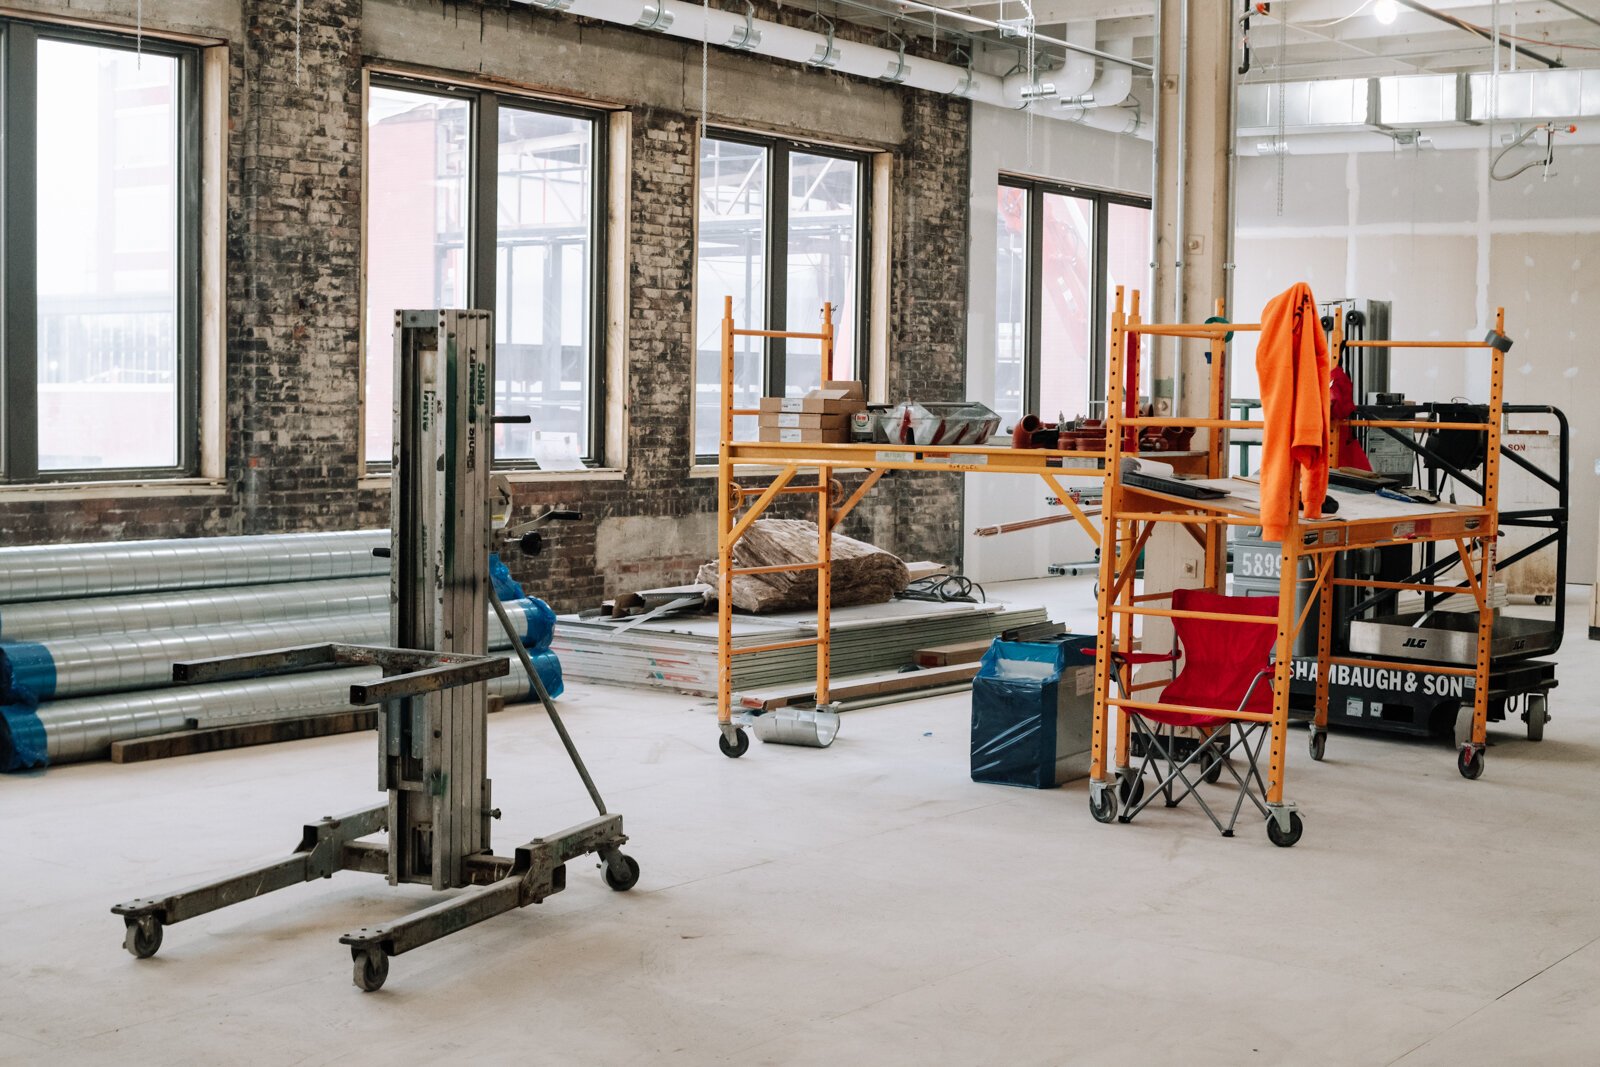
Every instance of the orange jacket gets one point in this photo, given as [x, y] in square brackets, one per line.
[1292, 364]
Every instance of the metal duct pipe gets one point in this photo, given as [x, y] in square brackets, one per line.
[84, 728]
[62, 572]
[1111, 89]
[725, 29]
[116, 663]
[44, 620]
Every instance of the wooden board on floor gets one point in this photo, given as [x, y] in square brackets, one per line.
[946, 655]
[215, 739]
[870, 685]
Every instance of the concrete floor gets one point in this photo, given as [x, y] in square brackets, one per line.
[863, 904]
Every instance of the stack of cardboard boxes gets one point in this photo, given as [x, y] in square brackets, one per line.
[822, 416]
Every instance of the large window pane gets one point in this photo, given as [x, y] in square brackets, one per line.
[824, 202]
[1127, 256]
[418, 153]
[1066, 279]
[730, 262]
[107, 266]
[544, 245]
[1011, 304]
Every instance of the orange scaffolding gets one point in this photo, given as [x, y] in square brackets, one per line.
[785, 461]
[1129, 514]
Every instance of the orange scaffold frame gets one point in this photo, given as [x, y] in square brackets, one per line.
[785, 461]
[1129, 515]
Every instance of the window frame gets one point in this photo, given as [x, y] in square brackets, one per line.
[482, 233]
[775, 250]
[19, 294]
[1035, 190]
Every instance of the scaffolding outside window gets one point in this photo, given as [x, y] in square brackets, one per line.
[101, 234]
[814, 229]
[481, 199]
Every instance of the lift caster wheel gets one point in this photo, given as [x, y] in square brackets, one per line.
[372, 968]
[1469, 761]
[735, 748]
[629, 877]
[1130, 791]
[1536, 716]
[1281, 839]
[1318, 745]
[1213, 772]
[1105, 808]
[143, 936]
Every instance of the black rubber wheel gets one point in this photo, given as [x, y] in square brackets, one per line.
[1130, 791]
[1106, 809]
[738, 747]
[1469, 761]
[628, 881]
[372, 969]
[1318, 745]
[1537, 715]
[1281, 839]
[1213, 771]
[143, 937]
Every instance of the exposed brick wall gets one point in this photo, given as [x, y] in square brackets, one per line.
[293, 320]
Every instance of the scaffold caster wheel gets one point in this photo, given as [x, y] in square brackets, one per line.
[143, 936]
[629, 876]
[1470, 761]
[1130, 791]
[372, 968]
[735, 748]
[1103, 808]
[1276, 835]
[1319, 745]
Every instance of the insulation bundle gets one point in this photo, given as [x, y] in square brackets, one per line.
[862, 573]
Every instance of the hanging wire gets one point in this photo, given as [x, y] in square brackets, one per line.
[138, 35]
[705, 63]
[1281, 147]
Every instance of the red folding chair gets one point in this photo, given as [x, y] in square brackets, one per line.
[1227, 665]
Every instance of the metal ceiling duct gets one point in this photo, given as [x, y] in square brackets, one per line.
[745, 33]
[43, 620]
[63, 572]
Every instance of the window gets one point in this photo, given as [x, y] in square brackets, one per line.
[1061, 252]
[766, 202]
[479, 199]
[101, 232]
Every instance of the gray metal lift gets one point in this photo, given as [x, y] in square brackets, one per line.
[432, 732]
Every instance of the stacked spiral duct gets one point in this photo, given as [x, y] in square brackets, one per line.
[89, 633]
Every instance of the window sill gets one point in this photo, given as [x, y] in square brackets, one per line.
[523, 477]
[180, 487]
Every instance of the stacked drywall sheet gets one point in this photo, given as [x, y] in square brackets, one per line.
[680, 654]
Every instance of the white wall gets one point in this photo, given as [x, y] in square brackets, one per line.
[1002, 142]
[1430, 232]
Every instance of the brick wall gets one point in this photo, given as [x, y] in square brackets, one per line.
[293, 246]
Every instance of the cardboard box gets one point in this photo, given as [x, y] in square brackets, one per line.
[834, 398]
[795, 435]
[803, 420]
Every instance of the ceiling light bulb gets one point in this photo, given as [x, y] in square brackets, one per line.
[1385, 11]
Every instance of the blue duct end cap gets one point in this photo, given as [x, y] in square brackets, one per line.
[31, 668]
[549, 670]
[22, 741]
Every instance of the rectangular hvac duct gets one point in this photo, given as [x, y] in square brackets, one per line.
[1307, 105]
[1537, 94]
[1420, 99]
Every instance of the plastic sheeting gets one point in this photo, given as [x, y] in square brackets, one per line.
[1025, 728]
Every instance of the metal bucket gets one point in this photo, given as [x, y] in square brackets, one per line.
[812, 727]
